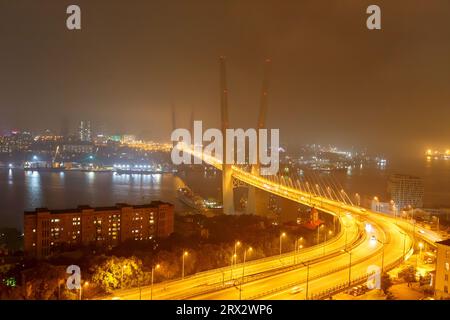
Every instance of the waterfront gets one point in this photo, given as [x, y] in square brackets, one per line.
[21, 190]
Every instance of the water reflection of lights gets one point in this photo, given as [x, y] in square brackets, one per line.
[157, 178]
[10, 177]
[33, 183]
[142, 178]
[90, 176]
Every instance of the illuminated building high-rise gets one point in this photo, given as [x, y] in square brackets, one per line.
[406, 191]
[85, 130]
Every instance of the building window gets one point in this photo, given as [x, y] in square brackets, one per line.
[445, 289]
[447, 266]
[446, 277]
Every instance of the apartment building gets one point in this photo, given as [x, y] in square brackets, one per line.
[47, 230]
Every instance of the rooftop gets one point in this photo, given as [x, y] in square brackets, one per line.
[81, 208]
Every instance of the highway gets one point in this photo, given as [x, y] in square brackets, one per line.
[211, 280]
[275, 278]
[324, 275]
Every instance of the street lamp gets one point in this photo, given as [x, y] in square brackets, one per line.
[377, 203]
[382, 256]
[349, 267]
[121, 279]
[86, 284]
[236, 244]
[185, 254]
[414, 222]
[298, 246]
[282, 235]
[318, 230]
[307, 279]
[324, 243]
[346, 234]
[420, 253]
[233, 258]
[156, 267]
[250, 249]
[392, 203]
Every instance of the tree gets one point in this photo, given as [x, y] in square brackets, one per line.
[42, 281]
[386, 283]
[117, 273]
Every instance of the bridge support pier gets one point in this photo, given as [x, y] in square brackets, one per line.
[227, 190]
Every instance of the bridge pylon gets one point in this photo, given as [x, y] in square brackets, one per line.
[227, 178]
[251, 196]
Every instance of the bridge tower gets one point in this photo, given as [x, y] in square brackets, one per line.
[174, 122]
[227, 179]
[251, 198]
[192, 123]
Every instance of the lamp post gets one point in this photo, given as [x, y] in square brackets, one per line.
[185, 254]
[295, 250]
[346, 234]
[382, 255]
[324, 243]
[377, 203]
[250, 249]
[233, 258]
[420, 253]
[155, 267]
[349, 267]
[414, 222]
[282, 235]
[121, 279]
[318, 230]
[307, 279]
[358, 199]
[298, 246]
[404, 244]
[236, 244]
[393, 208]
[86, 284]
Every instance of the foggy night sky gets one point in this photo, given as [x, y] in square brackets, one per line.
[332, 81]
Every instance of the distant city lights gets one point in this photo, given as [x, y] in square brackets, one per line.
[437, 154]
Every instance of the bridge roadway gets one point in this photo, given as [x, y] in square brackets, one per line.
[324, 274]
[332, 272]
[350, 235]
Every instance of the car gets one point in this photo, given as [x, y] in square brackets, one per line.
[296, 290]
[421, 231]
[115, 298]
[373, 238]
[354, 291]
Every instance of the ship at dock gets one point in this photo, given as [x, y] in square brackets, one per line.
[189, 198]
